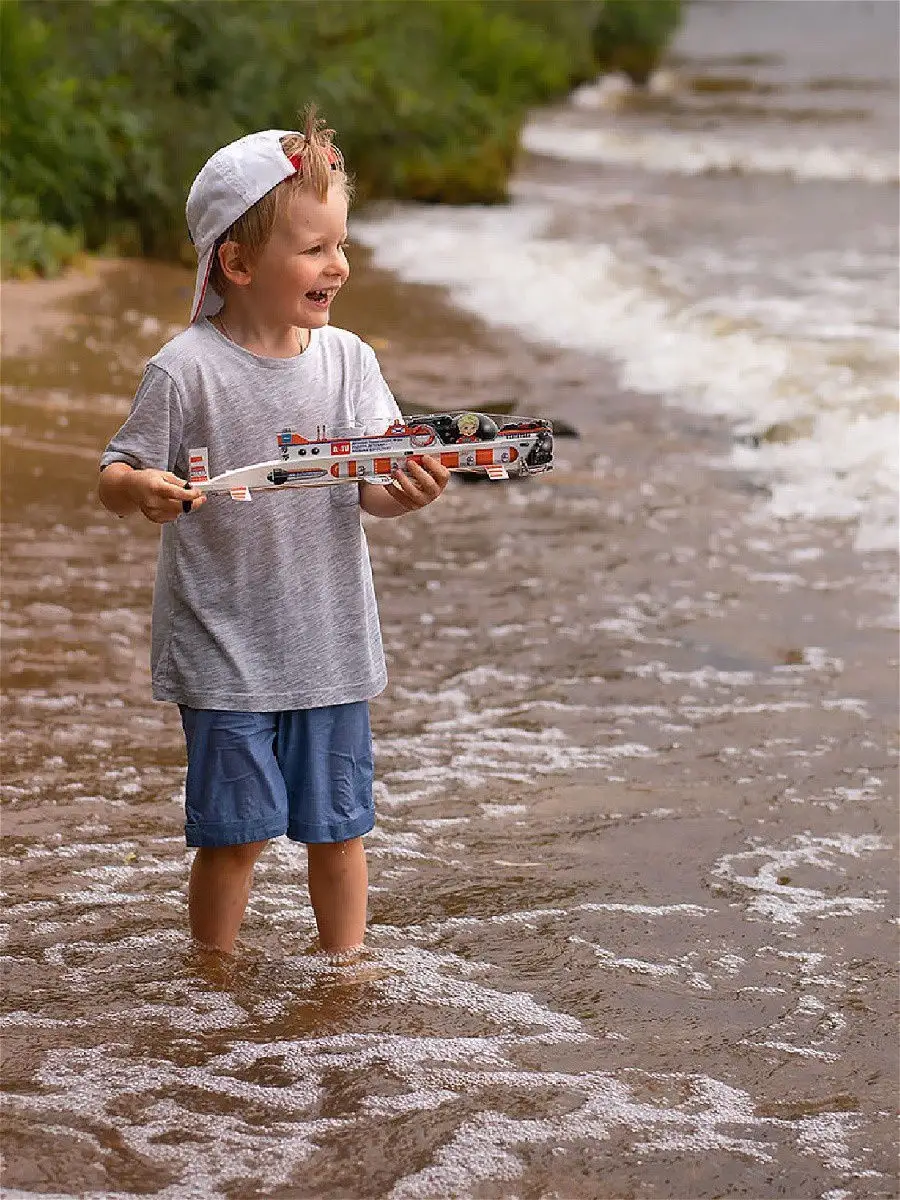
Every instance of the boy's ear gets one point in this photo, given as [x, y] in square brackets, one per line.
[234, 263]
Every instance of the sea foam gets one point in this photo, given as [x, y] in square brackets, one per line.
[834, 401]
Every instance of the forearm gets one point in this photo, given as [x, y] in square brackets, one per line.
[116, 489]
[159, 495]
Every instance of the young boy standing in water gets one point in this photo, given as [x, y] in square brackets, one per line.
[265, 627]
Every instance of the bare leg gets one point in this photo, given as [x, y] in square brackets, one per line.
[338, 887]
[219, 890]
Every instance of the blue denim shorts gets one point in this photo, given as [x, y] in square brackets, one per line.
[253, 776]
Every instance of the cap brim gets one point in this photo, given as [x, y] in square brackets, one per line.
[206, 301]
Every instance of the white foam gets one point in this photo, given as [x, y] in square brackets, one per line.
[789, 1048]
[466, 1077]
[672, 968]
[221, 1151]
[487, 1147]
[726, 357]
[476, 745]
[530, 918]
[785, 902]
[701, 153]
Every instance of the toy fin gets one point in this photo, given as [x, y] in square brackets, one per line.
[198, 471]
[198, 465]
[240, 493]
[496, 472]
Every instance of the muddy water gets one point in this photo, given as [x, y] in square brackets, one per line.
[633, 912]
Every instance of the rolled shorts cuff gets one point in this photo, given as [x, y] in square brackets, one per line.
[332, 831]
[231, 833]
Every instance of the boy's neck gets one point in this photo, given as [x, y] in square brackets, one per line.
[283, 342]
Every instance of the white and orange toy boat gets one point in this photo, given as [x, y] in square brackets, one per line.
[467, 441]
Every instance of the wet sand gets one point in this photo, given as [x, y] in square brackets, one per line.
[633, 915]
[35, 309]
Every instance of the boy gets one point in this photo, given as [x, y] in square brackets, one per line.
[265, 628]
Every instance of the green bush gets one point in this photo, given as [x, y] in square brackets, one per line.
[629, 35]
[109, 107]
[30, 246]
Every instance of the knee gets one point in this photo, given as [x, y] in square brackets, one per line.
[234, 859]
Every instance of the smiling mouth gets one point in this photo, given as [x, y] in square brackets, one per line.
[321, 297]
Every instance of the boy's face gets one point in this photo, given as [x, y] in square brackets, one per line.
[299, 272]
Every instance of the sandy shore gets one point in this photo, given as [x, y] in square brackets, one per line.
[31, 310]
[637, 807]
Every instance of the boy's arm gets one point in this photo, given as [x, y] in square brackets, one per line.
[156, 494]
[134, 467]
[411, 489]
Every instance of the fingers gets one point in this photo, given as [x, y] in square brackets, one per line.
[436, 470]
[400, 492]
[163, 496]
[171, 487]
[419, 485]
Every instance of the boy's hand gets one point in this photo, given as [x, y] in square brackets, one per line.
[409, 489]
[417, 485]
[160, 494]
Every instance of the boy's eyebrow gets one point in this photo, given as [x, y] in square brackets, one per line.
[312, 238]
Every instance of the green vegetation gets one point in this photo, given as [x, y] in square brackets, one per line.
[109, 107]
[628, 37]
[30, 246]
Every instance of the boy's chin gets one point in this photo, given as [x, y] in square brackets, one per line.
[315, 319]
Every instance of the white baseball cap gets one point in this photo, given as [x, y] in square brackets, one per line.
[228, 184]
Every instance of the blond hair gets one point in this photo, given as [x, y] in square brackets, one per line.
[321, 167]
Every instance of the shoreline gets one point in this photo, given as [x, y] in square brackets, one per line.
[33, 309]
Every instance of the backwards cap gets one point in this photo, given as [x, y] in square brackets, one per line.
[233, 180]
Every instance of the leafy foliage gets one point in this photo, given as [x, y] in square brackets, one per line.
[29, 246]
[109, 107]
[628, 34]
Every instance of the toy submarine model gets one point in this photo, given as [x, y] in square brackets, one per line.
[465, 441]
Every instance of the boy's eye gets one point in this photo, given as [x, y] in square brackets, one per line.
[319, 249]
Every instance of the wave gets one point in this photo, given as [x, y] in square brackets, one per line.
[833, 452]
[706, 154]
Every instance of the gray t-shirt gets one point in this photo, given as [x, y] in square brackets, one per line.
[265, 605]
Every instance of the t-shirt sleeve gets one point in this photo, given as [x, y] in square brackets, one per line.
[152, 433]
[376, 407]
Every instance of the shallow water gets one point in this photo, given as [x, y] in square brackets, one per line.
[728, 240]
[634, 900]
[633, 893]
